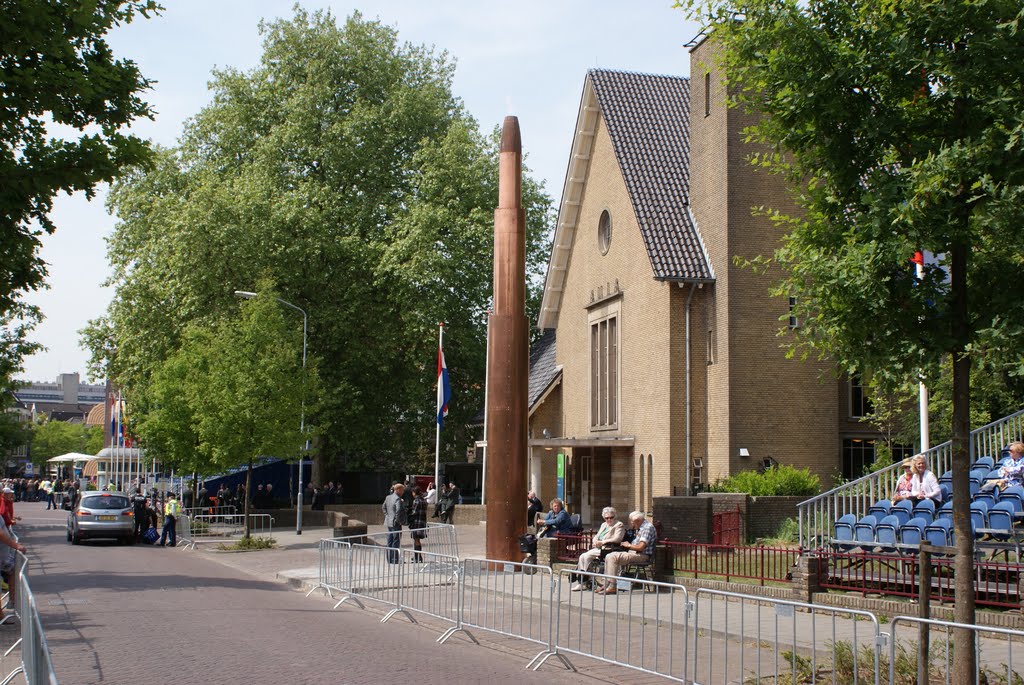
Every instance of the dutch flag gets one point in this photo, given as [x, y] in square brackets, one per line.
[444, 389]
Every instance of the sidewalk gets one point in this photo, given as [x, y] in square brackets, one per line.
[296, 561]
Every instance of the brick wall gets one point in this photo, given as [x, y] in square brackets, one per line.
[766, 514]
[688, 519]
[684, 519]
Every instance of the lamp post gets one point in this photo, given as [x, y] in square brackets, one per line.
[302, 421]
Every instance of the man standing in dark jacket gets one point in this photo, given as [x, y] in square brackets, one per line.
[394, 517]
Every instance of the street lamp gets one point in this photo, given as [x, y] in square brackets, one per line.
[302, 421]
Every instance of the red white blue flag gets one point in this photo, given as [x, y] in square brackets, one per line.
[444, 389]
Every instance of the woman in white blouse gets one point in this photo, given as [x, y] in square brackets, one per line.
[609, 535]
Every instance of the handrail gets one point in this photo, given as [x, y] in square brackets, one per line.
[815, 516]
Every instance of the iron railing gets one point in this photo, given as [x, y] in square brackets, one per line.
[731, 562]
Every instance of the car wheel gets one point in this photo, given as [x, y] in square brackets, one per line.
[69, 536]
[76, 539]
[130, 540]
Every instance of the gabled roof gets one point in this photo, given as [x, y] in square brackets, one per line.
[544, 372]
[648, 121]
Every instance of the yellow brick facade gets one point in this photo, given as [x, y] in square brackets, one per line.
[744, 394]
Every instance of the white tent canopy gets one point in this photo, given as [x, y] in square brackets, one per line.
[71, 456]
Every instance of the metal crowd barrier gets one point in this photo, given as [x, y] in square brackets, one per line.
[226, 510]
[996, 661]
[508, 598]
[407, 580]
[743, 638]
[657, 628]
[192, 530]
[35, 655]
[335, 553]
[642, 626]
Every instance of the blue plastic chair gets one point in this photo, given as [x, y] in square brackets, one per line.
[864, 531]
[912, 532]
[925, 505]
[844, 537]
[939, 533]
[987, 496]
[979, 514]
[984, 463]
[945, 511]
[1015, 495]
[947, 491]
[978, 475]
[994, 474]
[886, 533]
[880, 509]
[1000, 520]
[947, 477]
[904, 510]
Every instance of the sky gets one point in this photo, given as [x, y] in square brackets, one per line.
[528, 58]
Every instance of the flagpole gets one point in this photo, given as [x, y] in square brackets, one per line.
[438, 407]
[922, 389]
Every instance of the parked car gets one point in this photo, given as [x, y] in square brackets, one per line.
[102, 515]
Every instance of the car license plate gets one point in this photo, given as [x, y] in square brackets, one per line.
[107, 518]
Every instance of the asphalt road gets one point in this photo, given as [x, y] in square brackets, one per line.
[128, 614]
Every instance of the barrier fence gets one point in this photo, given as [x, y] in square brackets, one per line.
[35, 654]
[998, 660]
[200, 528]
[741, 638]
[657, 628]
[508, 598]
[643, 626]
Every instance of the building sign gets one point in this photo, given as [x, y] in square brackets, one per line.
[560, 489]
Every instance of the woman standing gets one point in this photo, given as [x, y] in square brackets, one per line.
[418, 522]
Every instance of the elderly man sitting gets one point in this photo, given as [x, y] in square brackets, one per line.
[610, 534]
[639, 551]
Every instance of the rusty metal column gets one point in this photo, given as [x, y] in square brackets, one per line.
[508, 365]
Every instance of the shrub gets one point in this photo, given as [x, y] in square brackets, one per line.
[777, 481]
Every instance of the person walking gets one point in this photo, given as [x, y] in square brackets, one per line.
[172, 509]
[446, 504]
[394, 517]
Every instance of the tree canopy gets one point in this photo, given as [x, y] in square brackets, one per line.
[899, 125]
[343, 167]
[53, 438]
[67, 100]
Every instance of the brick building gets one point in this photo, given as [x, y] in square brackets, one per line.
[661, 362]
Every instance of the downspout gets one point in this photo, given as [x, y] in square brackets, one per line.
[689, 299]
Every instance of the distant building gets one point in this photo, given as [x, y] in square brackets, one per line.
[67, 390]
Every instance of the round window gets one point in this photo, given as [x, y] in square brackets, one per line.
[604, 232]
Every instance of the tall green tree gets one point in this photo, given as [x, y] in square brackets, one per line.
[900, 127]
[251, 400]
[66, 102]
[343, 167]
[53, 438]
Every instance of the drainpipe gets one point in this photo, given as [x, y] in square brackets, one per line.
[689, 299]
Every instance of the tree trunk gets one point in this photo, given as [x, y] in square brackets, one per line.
[965, 663]
[248, 498]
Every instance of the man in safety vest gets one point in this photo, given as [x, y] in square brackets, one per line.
[171, 512]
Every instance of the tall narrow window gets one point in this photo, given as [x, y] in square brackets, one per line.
[707, 93]
[794, 322]
[604, 373]
[860, 401]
